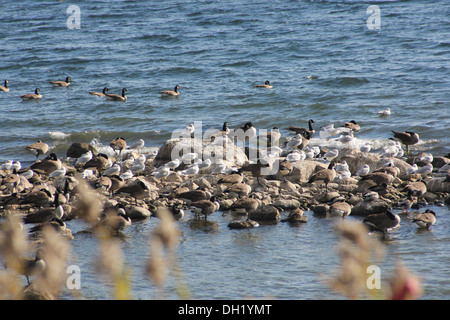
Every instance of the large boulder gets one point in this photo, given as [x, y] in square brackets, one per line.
[177, 147]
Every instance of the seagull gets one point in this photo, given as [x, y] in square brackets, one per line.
[341, 167]
[189, 157]
[296, 155]
[126, 175]
[7, 165]
[426, 157]
[366, 148]
[331, 154]
[85, 157]
[295, 141]
[114, 170]
[426, 169]
[189, 130]
[173, 164]
[16, 165]
[190, 171]
[27, 174]
[365, 169]
[346, 137]
[205, 164]
[58, 173]
[161, 172]
[137, 145]
[412, 169]
[137, 166]
[386, 112]
[220, 168]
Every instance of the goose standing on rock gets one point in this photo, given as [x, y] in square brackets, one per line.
[5, 88]
[171, 93]
[116, 97]
[407, 138]
[32, 96]
[325, 175]
[65, 83]
[118, 143]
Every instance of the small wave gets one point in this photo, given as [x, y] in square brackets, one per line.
[57, 135]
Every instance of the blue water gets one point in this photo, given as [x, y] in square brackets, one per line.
[216, 51]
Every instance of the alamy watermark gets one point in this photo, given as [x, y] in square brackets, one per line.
[374, 20]
[74, 20]
[374, 279]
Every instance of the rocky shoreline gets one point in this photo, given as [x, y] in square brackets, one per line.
[258, 198]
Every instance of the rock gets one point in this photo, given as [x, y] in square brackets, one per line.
[364, 208]
[177, 147]
[137, 213]
[438, 162]
[286, 204]
[265, 212]
[247, 224]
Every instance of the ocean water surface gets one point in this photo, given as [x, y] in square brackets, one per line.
[324, 63]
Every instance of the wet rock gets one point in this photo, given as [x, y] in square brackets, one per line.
[286, 204]
[247, 224]
[265, 212]
[137, 213]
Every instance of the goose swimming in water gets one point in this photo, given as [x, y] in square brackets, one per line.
[171, 93]
[99, 94]
[116, 97]
[32, 96]
[383, 222]
[266, 85]
[65, 83]
[5, 88]
[425, 219]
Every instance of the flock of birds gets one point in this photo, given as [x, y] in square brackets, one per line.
[109, 173]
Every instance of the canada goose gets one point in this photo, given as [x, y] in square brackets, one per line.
[257, 169]
[137, 190]
[99, 162]
[266, 85]
[384, 222]
[306, 138]
[340, 208]
[240, 188]
[55, 223]
[31, 266]
[11, 181]
[39, 198]
[38, 148]
[302, 130]
[378, 177]
[325, 175]
[118, 144]
[177, 212]
[231, 179]
[352, 125]
[296, 216]
[171, 93]
[5, 88]
[46, 214]
[65, 83]
[116, 183]
[32, 96]
[103, 183]
[116, 97]
[77, 149]
[425, 219]
[99, 94]
[416, 188]
[407, 138]
[47, 165]
[285, 168]
[194, 195]
[205, 207]
[114, 223]
[244, 133]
